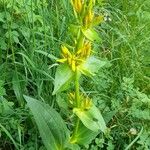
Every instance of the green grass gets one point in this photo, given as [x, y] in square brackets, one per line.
[31, 32]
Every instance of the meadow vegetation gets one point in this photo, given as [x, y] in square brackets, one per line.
[31, 35]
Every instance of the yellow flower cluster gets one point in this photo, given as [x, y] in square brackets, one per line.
[83, 9]
[86, 102]
[88, 18]
[75, 59]
[77, 4]
[85, 12]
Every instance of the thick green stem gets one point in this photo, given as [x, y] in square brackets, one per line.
[74, 134]
[80, 42]
[77, 92]
[77, 99]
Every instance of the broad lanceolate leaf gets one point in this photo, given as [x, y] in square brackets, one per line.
[52, 128]
[84, 136]
[91, 35]
[92, 65]
[91, 118]
[71, 146]
[63, 77]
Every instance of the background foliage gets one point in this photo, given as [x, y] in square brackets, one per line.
[31, 34]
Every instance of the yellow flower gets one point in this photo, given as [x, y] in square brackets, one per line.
[70, 58]
[88, 18]
[75, 60]
[62, 60]
[85, 51]
[65, 51]
[73, 65]
[86, 104]
[77, 4]
[97, 20]
[72, 98]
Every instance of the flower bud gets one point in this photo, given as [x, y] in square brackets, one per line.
[65, 51]
[88, 18]
[86, 104]
[88, 49]
[77, 4]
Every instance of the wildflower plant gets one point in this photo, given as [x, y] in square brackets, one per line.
[32, 32]
[76, 60]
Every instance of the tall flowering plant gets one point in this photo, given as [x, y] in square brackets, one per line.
[85, 119]
[77, 60]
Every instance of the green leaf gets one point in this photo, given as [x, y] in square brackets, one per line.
[63, 77]
[7, 107]
[92, 65]
[91, 118]
[2, 89]
[109, 115]
[27, 59]
[25, 32]
[17, 87]
[74, 29]
[14, 35]
[52, 128]
[3, 44]
[52, 57]
[97, 20]
[72, 147]
[10, 136]
[91, 35]
[84, 136]
[61, 101]
[2, 17]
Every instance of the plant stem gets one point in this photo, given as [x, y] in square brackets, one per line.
[80, 42]
[77, 99]
[77, 92]
[75, 130]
